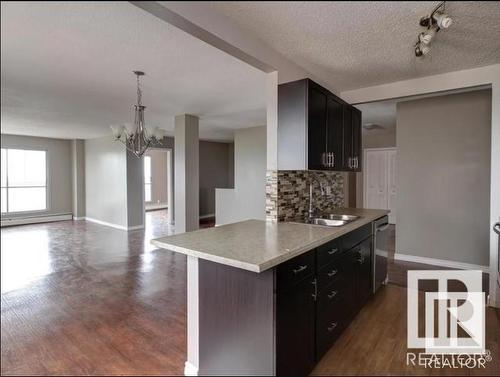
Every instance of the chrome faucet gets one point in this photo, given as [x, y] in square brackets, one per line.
[311, 189]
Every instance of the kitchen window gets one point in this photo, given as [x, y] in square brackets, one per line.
[24, 180]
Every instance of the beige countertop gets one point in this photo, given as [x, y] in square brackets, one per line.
[257, 245]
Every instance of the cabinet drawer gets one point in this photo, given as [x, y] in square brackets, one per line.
[328, 252]
[356, 236]
[296, 269]
[333, 293]
[333, 271]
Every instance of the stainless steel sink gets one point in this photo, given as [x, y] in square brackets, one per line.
[333, 219]
[327, 222]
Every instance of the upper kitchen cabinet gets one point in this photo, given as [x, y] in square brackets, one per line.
[316, 129]
[351, 139]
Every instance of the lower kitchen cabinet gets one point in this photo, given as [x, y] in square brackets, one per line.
[317, 296]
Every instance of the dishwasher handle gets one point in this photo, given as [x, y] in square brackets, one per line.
[496, 228]
[382, 227]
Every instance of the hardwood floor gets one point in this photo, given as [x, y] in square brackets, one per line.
[80, 298]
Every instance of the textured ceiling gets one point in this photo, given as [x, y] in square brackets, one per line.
[355, 44]
[66, 71]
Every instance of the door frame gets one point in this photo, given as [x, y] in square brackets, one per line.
[365, 166]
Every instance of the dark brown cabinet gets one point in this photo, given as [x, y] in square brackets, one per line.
[317, 296]
[351, 137]
[316, 129]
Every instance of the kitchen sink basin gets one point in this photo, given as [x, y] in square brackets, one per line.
[327, 222]
[333, 219]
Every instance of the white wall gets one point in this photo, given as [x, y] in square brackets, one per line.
[248, 198]
[59, 172]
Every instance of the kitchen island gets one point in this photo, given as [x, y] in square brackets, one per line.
[270, 298]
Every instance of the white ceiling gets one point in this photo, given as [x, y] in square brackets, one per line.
[355, 44]
[66, 71]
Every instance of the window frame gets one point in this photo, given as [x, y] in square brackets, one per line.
[47, 182]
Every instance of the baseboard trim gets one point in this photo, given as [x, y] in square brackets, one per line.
[190, 369]
[441, 262]
[116, 226]
[35, 219]
[78, 218]
[207, 216]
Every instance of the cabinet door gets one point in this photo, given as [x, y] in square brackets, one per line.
[334, 132]
[347, 138]
[363, 271]
[356, 138]
[316, 129]
[295, 332]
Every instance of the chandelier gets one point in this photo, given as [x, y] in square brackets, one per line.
[137, 139]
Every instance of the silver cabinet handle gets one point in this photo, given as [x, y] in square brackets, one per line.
[315, 294]
[349, 162]
[332, 251]
[323, 159]
[332, 326]
[333, 160]
[332, 295]
[332, 273]
[496, 228]
[300, 269]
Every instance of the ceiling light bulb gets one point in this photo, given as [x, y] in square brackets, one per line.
[117, 131]
[427, 36]
[443, 20]
[422, 49]
[158, 133]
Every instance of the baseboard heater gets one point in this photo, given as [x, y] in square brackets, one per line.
[36, 219]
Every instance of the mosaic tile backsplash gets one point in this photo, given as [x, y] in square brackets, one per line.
[287, 193]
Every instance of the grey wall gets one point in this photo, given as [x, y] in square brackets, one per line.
[248, 198]
[59, 171]
[106, 181]
[78, 175]
[443, 174]
[215, 163]
[216, 170]
[135, 191]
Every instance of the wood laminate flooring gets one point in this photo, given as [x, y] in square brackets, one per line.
[80, 298]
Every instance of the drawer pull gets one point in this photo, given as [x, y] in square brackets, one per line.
[300, 269]
[332, 273]
[332, 295]
[333, 251]
[332, 326]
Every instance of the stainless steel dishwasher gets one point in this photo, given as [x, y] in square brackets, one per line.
[380, 252]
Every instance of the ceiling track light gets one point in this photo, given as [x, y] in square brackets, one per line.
[437, 20]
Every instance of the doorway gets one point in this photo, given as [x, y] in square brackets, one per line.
[158, 181]
[379, 177]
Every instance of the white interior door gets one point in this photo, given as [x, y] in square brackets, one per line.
[379, 180]
[376, 179]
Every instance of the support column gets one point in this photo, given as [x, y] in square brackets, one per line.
[78, 178]
[187, 163]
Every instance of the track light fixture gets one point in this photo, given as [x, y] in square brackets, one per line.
[437, 20]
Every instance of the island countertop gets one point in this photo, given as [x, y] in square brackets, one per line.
[257, 245]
